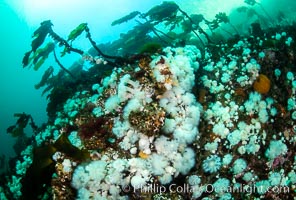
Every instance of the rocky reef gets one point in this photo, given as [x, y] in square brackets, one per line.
[187, 116]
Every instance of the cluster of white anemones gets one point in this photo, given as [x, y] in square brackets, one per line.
[166, 154]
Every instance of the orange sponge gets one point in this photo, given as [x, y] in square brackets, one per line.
[262, 84]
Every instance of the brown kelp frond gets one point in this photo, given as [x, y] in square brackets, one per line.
[126, 18]
[22, 122]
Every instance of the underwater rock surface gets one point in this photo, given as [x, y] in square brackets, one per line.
[206, 120]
